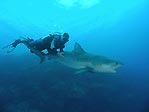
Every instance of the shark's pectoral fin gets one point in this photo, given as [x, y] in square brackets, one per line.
[83, 70]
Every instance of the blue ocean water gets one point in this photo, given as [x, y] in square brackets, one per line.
[113, 28]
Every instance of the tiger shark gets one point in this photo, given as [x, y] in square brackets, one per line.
[82, 61]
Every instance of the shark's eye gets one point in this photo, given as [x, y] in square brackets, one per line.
[116, 63]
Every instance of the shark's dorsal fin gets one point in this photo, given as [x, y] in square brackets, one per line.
[78, 49]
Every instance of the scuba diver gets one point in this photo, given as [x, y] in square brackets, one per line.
[51, 43]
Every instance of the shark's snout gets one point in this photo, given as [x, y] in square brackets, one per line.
[118, 64]
[115, 66]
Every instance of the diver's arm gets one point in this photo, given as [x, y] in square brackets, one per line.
[61, 50]
[52, 51]
[62, 47]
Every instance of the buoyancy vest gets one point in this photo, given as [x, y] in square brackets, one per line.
[56, 38]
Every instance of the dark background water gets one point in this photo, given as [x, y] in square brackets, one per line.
[28, 87]
[116, 29]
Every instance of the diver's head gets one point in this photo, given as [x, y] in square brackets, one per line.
[65, 37]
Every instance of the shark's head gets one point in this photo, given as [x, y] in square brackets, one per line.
[97, 63]
[107, 67]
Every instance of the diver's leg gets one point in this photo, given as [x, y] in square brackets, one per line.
[16, 42]
[9, 48]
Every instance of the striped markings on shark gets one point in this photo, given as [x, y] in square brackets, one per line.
[82, 61]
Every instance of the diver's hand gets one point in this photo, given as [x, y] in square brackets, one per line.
[60, 54]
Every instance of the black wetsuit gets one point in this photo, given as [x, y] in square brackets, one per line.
[46, 44]
[42, 44]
